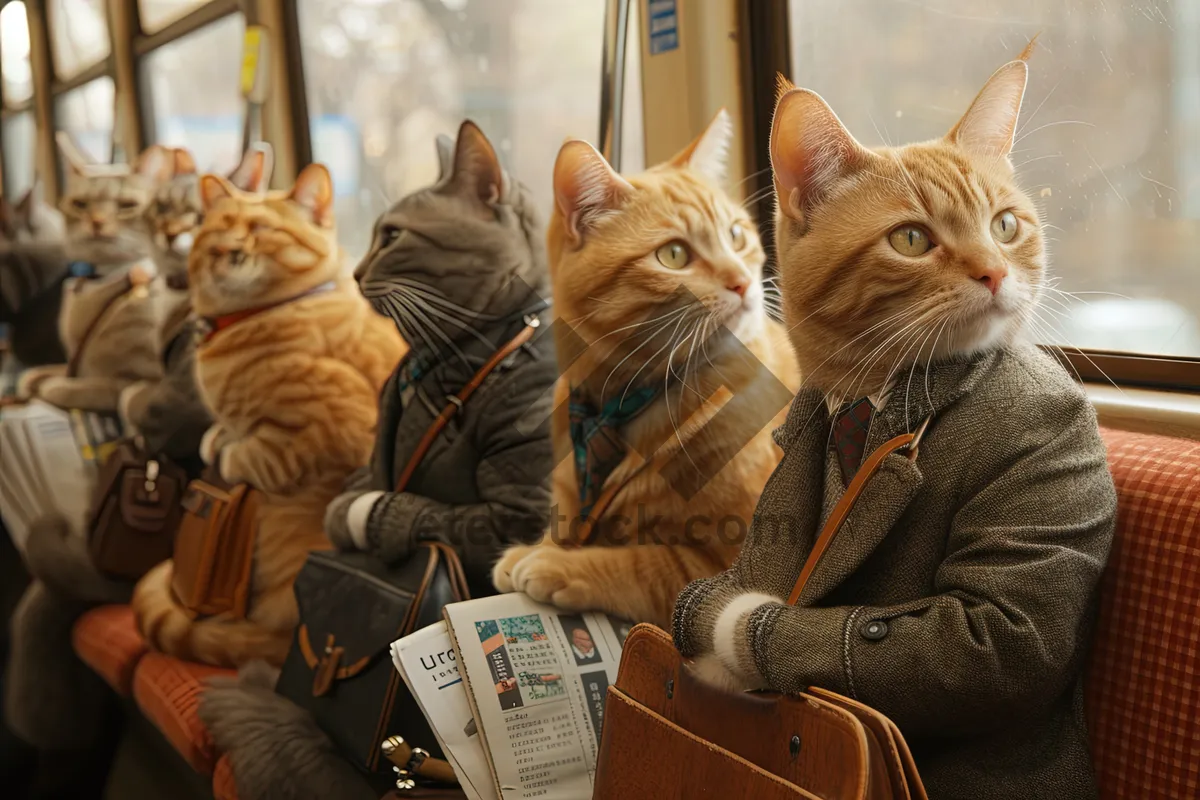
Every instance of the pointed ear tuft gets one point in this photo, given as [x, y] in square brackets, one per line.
[214, 188]
[782, 86]
[445, 154]
[254, 172]
[25, 205]
[77, 161]
[156, 163]
[477, 169]
[1028, 51]
[586, 188]
[314, 191]
[810, 151]
[988, 127]
[708, 154]
[184, 163]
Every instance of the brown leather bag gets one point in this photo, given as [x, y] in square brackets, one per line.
[667, 735]
[214, 549]
[136, 512]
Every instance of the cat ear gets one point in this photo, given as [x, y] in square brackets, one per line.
[184, 163]
[25, 205]
[988, 127]
[810, 150]
[254, 173]
[445, 153]
[586, 188]
[708, 154]
[77, 161]
[476, 166]
[157, 163]
[314, 191]
[214, 188]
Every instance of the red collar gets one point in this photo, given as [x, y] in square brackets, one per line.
[211, 326]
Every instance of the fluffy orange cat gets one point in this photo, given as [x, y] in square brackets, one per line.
[660, 277]
[292, 369]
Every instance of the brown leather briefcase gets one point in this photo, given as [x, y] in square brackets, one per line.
[668, 736]
[214, 549]
[135, 514]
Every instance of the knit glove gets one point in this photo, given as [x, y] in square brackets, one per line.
[346, 519]
[732, 663]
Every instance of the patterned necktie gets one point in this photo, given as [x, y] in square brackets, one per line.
[850, 428]
[597, 441]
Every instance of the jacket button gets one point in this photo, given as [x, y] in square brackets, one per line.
[874, 630]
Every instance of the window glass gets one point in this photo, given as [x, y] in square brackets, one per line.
[1106, 143]
[158, 14]
[384, 78]
[192, 88]
[78, 35]
[633, 140]
[20, 144]
[87, 114]
[14, 54]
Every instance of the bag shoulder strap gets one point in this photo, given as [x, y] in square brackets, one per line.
[456, 402]
[94, 325]
[842, 510]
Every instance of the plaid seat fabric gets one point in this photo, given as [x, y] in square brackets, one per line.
[1143, 679]
[850, 428]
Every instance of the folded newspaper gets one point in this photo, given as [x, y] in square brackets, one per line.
[515, 690]
[49, 463]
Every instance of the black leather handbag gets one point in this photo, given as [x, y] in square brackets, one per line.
[352, 607]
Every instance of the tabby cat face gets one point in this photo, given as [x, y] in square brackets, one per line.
[105, 206]
[253, 250]
[453, 254]
[898, 256]
[175, 214]
[624, 250]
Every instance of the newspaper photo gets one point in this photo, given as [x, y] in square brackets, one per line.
[429, 666]
[537, 679]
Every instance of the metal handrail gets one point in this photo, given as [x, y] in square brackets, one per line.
[612, 80]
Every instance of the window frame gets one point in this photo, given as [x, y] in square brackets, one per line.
[28, 105]
[766, 51]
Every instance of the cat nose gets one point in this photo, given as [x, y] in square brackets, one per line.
[991, 277]
[738, 286]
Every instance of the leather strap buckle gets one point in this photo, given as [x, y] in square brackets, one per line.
[327, 668]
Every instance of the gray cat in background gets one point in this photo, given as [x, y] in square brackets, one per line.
[108, 323]
[33, 266]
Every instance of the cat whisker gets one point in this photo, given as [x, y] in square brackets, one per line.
[647, 339]
[1051, 125]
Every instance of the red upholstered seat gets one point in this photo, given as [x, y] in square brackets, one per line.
[223, 785]
[107, 640]
[1143, 683]
[167, 691]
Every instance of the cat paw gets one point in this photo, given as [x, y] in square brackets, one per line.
[127, 403]
[709, 669]
[32, 379]
[547, 576]
[502, 572]
[210, 445]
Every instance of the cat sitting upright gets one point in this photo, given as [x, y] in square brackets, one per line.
[108, 321]
[291, 366]
[659, 276]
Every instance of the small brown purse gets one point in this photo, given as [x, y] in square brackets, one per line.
[135, 514]
[214, 549]
[668, 736]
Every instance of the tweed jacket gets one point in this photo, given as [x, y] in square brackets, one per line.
[958, 596]
[484, 484]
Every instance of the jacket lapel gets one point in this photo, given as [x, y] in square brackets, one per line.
[888, 494]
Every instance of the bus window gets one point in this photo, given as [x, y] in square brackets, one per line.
[1106, 144]
[14, 54]
[192, 95]
[383, 79]
[78, 35]
[155, 15]
[19, 136]
[87, 114]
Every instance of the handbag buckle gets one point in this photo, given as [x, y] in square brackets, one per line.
[152, 470]
[327, 668]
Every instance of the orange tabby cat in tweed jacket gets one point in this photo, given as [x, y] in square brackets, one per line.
[672, 352]
[292, 368]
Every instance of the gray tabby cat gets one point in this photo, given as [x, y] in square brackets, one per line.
[170, 413]
[33, 265]
[105, 208]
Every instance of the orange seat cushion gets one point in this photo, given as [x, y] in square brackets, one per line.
[1143, 681]
[223, 785]
[107, 640]
[167, 690]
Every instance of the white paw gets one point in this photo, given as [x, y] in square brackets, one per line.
[709, 669]
[502, 572]
[125, 403]
[211, 443]
[547, 575]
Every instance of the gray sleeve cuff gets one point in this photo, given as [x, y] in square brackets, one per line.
[391, 525]
[795, 648]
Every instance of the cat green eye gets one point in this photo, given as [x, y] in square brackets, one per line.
[673, 255]
[910, 240]
[738, 235]
[1004, 227]
[388, 234]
